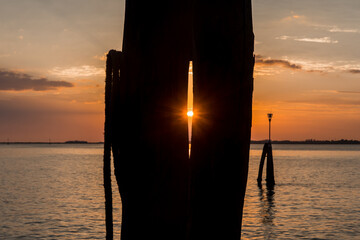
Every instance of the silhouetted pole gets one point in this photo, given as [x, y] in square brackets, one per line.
[270, 179]
[150, 140]
[107, 149]
[262, 160]
[267, 153]
[223, 86]
[152, 167]
[269, 117]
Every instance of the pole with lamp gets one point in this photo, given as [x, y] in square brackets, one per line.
[269, 117]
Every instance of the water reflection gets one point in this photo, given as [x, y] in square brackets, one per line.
[267, 210]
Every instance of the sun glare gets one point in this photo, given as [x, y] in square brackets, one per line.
[190, 104]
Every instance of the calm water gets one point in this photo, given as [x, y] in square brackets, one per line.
[317, 194]
[56, 192]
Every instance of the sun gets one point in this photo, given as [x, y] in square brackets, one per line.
[190, 113]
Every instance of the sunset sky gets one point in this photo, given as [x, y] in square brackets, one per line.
[52, 58]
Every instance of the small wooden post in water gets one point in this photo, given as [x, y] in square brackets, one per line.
[262, 160]
[267, 152]
[270, 179]
[112, 75]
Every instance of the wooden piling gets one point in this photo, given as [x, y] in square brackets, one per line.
[113, 65]
[262, 160]
[223, 85]
[107, 149]
[270, 179]
[267, 153]
[149, 122]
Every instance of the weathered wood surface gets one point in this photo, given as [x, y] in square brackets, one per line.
[223, 86]
[150, 142]
[107, 149]
[151, 105]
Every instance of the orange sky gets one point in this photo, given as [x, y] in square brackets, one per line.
[52, 59]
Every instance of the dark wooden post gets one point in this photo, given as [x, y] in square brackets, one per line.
[107, 150]
[150, 144]
[151, 139]
[270, 178]
[223, 86]
[111, 83]
[262, 160]
[267, 153]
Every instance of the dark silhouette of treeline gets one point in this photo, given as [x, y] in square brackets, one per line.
[309, 141]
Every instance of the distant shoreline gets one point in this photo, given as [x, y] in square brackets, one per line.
[342, 141]
[49, 143]
[311, 141]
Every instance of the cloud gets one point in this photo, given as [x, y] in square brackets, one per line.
[355, 71]
[284, 37]
[335, 91]
[351, 92]
[263, 65]
[294, 17]
[316, 40]
[74, 72]
[301, 19]
[336, 29]
[306, 39]
[260, 60]
[13, 81]
[102, 57]
[322, 66]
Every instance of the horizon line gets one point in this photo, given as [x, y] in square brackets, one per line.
[252, 141]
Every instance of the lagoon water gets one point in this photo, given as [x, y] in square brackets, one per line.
[316, 196]
[55, 192]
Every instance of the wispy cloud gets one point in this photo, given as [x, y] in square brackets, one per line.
[307, 39]
[336, 29]
[294, 17]
[350, 92]
[14, 81]
[260, 60]
[335, 92]
[264, 65]
[101, 57]
[316, 40]
[326, 66]
[268, 66]
[74, 72]
[4, 55]
[284, 37]
[355, 71]
[303, 20]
